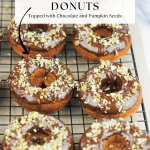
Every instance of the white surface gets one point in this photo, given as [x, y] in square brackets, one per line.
[142, 8]
[75, 11]
[141, 65]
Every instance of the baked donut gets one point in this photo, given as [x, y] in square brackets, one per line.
[101, 41]
[114, 134]
[37, 132]
[44, 39]
[41, 84]
[109, 90]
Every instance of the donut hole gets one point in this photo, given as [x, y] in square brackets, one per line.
[41, 78]
[111, 86]
[39, 28]
[37, 136]
[115, 142]
[43, 86]
[103, 31]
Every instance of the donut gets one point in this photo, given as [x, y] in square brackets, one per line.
[109, 90]
[41, 84]
[37, 132]
[101, 41]
[44, 39]
[114, 134]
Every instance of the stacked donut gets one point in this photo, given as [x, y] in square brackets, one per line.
[44, 84]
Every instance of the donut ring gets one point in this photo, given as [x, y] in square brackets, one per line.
[114, 134]
[41, 84]
[37, 131]
[109, 90]
[44, 39]
[101, 41]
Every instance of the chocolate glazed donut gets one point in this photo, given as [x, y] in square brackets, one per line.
[41, 84]
[37, 131]
[109, 90]
[101, 41]
[114, 134]
[44, 39]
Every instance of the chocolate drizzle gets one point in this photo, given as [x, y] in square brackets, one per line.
[37, 131]
[38, 37]
[99, 136]
[108, 88]
[23, 88]
[102, 39]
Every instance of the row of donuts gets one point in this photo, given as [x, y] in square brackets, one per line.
[91, 41]
[43, 84]
[36, 131]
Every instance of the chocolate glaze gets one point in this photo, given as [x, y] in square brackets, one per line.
[40, 131]
[55, 34]
[112, 82]
[108, 128]
[96, 47]
[64, 82]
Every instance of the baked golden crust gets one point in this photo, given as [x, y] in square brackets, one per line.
[45, 108]
[19, 50]
[119, 115]
[92, 57]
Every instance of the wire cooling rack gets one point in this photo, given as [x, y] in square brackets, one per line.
[72, 114]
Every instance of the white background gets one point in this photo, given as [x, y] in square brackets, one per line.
[126, 8]
[142, 8]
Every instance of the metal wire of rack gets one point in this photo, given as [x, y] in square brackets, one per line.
[72, 114]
